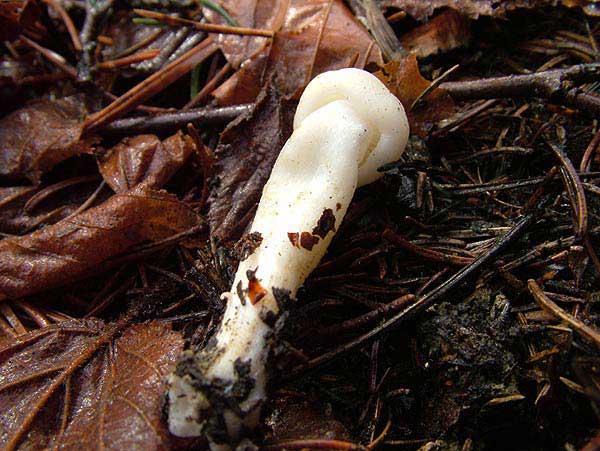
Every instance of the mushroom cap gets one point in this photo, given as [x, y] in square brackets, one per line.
[370, 99]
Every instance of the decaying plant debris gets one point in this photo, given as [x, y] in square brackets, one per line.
[456, 306]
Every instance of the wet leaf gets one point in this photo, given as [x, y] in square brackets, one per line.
[144, 161]
[313, 37]
[75, 247]
[40, 135]
[406, 82]
[18, 16]
[24, 208]
[82, 384]
[299, 417]
[245, 156]
[445, 32]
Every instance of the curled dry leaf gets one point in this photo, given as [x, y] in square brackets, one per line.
[445, 32]
[312, 37]
[245, 156]
[75, 247]
[406, 82]
[40, 135]
[84, 385]
[144, 161]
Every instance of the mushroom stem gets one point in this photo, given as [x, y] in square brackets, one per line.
[346, 126]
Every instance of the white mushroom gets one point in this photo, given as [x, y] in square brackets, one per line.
[346, 126]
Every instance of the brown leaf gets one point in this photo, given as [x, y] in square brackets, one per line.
[40, 135]
[144, 161]
[18, 16]
[406, 82]
[299, 417]
[73, 248]
[83, 385]
[421, 10]
[313, 36]
[445, 32]
[245, 156]
[24, 208]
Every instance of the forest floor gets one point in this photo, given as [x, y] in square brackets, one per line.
[456, 308]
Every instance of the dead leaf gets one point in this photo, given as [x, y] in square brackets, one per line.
[405, 81]
[264, 14]
[421, 10]
[144, 161]
[74, 247]
[245, 156]
[445, 32]
[24, 208]
[84, 385]
[313, 36]
[299, 417]
[40, 135]
[19, 16]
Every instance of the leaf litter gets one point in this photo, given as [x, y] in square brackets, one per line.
[84, 384]
[496, 194]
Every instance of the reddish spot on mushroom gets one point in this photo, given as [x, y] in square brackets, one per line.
[338, 206]
[308, 240]
[255, 290]
[293, 237]
[325, 224]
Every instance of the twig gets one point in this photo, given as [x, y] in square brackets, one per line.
[555, 85]
[95, 10]
[151, 85]
[208, 87]
[127, 60]
[36, 315]
[51, 56]
[138, 45]
[67, 21]
[314, 444]
[578, 201]
[574, 189]
[424, 252]
[367, 318]
[548, 305]
[207, 27]
[12, 318]
[589, 151]
[462, 118]
[429, 299]
[434, 84]
[172, 121]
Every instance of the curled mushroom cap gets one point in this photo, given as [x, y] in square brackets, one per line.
[346, 126]
[371, 100]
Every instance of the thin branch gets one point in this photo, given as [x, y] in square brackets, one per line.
[165, 122]
[151, 85]
[67, 21]
[127, 60]
[549, 306]
[555, 85]
[429, 254]
[207, 27]
[430, 298]
[208, 87]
